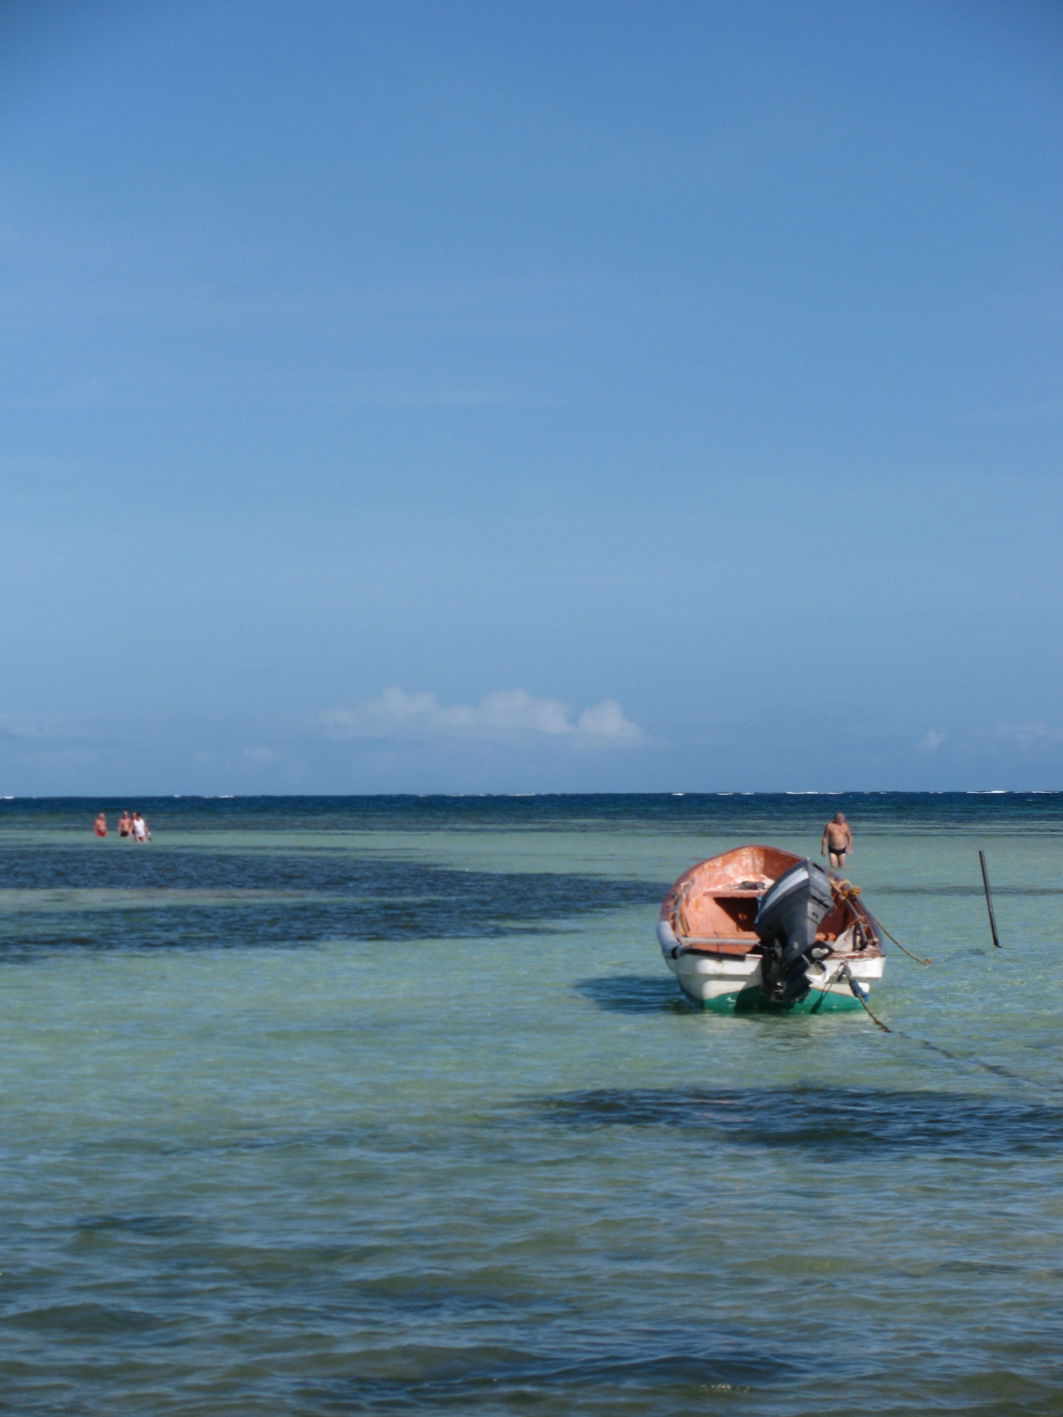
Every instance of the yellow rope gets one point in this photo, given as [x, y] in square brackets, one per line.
[845, 890]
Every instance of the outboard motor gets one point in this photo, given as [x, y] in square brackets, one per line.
[787, 919]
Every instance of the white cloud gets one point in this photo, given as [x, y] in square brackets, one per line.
[261, 757]
[505, 716]
[931, 741]
[1030, 735]
[29, 730]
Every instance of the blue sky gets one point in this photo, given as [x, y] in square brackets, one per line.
[531, 396]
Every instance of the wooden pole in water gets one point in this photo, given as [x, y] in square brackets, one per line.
[989, 899]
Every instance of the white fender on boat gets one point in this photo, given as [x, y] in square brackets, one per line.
[666, 938]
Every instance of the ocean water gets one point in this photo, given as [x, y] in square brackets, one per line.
[389, 1105]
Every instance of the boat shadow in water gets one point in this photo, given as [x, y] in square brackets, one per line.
[827, 1120]
[636, 994]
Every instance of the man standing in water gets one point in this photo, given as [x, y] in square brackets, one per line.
[837, 840]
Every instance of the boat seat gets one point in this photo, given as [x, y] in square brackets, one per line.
[722, 944]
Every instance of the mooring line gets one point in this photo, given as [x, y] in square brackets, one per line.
[841, 972]
[911, 955]
[997, 1068]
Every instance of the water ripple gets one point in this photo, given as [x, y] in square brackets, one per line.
[823, 1119]
[530, 1381]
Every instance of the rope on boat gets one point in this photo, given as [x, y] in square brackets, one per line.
[859, 993]
[845, 893]
[845, 890]
[823, 991]
[918, 958]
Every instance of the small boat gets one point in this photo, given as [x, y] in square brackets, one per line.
[758, 928]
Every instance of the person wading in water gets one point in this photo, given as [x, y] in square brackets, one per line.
[837, 840]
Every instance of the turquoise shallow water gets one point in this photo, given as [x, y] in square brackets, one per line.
[327, 1106]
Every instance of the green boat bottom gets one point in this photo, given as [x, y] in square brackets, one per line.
[753, 1001]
